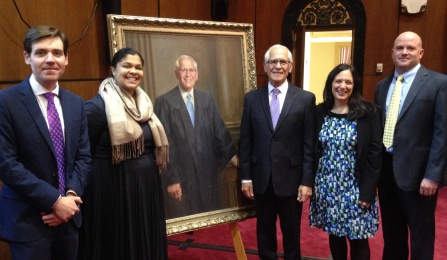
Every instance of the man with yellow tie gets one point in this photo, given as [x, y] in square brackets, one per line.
[414, 116]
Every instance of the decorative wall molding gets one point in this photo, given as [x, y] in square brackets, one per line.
[323, 13]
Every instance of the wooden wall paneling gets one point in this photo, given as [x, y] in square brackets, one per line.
[431, 26]
[269, 18]
[12, 29]
[140, 7]
[382, 24]
[380, 34]
[86, 89]
[191, 9]
[241, 11]
[4, 251]
[369, 86]
[262, 80]
[86, 58]
[3, 86]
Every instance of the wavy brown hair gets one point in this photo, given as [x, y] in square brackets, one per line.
[358, 106]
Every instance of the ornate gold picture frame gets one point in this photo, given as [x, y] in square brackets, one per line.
[225, 56]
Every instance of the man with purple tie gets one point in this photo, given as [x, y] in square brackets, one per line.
[276, 153]
[44, 154]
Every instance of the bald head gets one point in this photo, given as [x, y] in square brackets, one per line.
[409, 35]
[407, 51]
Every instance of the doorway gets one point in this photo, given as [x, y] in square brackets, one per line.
[304, 16]
[323, 50]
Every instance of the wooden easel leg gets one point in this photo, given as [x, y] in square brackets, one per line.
[237, 241]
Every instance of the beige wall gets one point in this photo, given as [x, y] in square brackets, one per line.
[322, 62]
[324, 57]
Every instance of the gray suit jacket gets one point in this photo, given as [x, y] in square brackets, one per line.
[420, 137]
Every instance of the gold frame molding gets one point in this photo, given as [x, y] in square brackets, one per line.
[229, 70]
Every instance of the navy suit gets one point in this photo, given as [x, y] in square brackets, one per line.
[419, 151]
[28, 166]
[278, 161]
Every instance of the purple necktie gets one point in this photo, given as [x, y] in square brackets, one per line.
[58, 139]
[274, 106]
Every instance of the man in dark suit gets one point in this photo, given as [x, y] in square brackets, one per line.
[201, 145]
[277, 162]
[415, 158]
[42, 179]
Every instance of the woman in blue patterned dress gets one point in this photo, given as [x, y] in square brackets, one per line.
[344, 203]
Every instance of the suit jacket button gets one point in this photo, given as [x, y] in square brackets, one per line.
[54, 174]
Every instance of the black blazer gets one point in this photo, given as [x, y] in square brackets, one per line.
[369, 149]
[420, 136]
[285, 154]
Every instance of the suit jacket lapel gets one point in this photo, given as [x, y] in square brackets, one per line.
[416, 86]
[30, 102]
[68, 119]
[288, 101]
[382, 97]
[264, 101]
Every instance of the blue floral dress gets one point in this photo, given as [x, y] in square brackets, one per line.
[334, 205]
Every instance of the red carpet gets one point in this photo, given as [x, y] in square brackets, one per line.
[216, 242]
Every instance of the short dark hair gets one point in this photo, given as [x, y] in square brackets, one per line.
[358, 107]
[122, 53]
[37, 33]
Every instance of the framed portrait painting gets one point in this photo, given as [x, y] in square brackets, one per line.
[225, 54]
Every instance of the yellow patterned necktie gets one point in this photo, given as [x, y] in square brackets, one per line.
[393, 112]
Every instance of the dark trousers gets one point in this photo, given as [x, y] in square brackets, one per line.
[59, 242]
[405, 212]
[268, 208]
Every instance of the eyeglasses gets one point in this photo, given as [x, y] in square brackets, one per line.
[281, 62]
[191, 71]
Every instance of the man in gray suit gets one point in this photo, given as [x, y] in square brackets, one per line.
[276, 153]
[201, 145]
[414, 164]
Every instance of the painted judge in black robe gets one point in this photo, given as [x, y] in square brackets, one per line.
[198, 152]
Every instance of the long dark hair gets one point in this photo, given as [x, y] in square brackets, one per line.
[358, 106]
